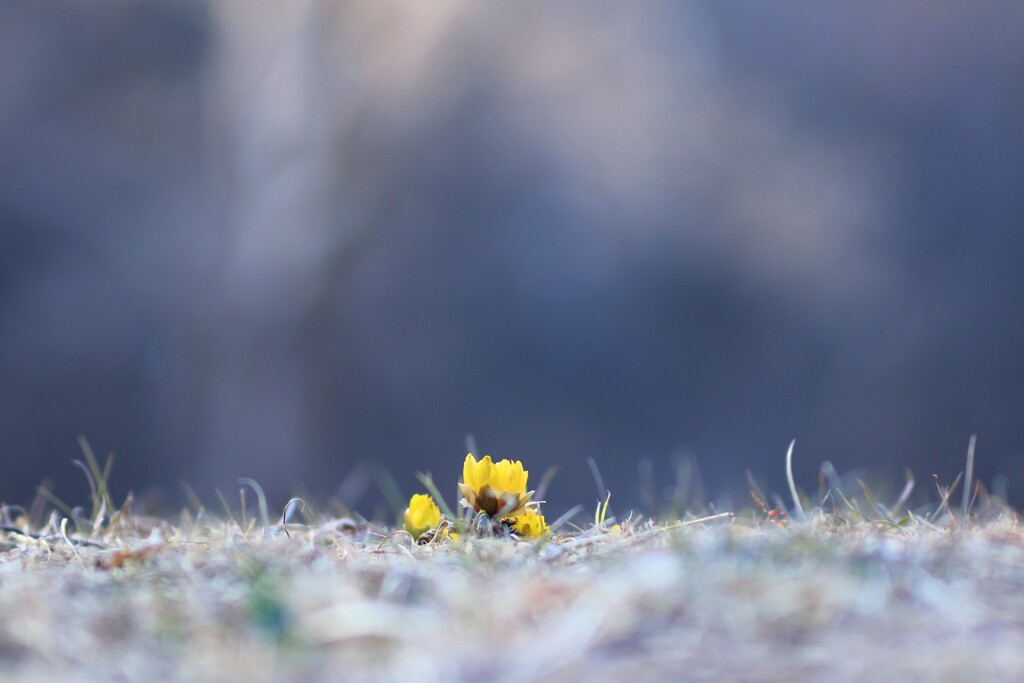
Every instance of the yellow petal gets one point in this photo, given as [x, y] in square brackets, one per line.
[510, 476]
[477, 474]
[469, 471]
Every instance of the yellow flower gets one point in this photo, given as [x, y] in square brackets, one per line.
[530, 524]
[422, 515]
[495, 489]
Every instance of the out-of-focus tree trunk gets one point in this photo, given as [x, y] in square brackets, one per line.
[271, 139]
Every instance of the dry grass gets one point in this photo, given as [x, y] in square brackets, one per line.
[839, 596]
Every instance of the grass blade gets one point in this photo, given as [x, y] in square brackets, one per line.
[965, 504]
[432, 489]
[575, 510]
[598, 480]
[261, 499]
[792, 483]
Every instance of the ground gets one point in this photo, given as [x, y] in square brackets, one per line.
[730, 598]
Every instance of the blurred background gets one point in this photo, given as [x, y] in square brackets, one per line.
[309, 241]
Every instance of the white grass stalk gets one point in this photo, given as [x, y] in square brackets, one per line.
[67, 539]
[792, 483]
[969, 481]
[904, 495]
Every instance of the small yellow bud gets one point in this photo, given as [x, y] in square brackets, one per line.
[530, 524]
[422, 515]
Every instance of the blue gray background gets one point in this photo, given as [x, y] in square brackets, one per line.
[300, 241]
